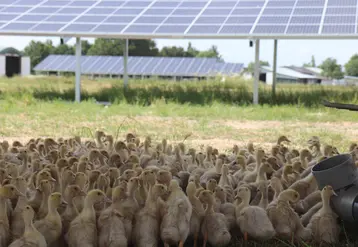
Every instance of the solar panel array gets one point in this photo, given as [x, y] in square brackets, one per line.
[146, 66]
[179, 18]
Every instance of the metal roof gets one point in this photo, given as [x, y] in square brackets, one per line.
[287, 72]
[263, 19]
[157, 66]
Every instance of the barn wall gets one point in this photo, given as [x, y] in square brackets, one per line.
[2, 65]
[25, 66]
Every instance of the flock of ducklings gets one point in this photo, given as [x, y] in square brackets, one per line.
[111, 193]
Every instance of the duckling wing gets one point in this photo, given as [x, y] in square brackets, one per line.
[256, 223]
[324, 228]
[228, 209]
[4, 234]
[111, 232]
[31, 241]
[17, 225]
[176, 222]
[20, 243]
[49, 230]
[81, 233]
[216, 227]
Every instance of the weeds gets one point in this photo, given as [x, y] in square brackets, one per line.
[234, 91]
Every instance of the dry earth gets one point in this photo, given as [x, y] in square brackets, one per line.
[219, 133]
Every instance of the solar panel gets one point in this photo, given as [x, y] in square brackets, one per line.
[176, 18]
[334, 29]
[310, 3]
[340, 19]
[157, 66]
[303, 29]
[341, 11]
[308, 11]
[305, 20]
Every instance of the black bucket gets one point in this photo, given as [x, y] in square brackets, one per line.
[341, 173]
[338, 171]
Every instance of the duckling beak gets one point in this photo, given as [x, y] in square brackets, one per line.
[52, 179]
[64, 203]
[334, 193]
[107, 200]
[82, 193]
[18, 193]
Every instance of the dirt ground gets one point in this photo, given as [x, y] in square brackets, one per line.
[218, 133]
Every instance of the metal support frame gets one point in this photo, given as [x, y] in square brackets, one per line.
[256, 73]
[125, 63]
[78, 70]
[274, 69]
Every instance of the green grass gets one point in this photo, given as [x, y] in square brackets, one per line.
[33, 107]
[218, 114]
[217, 124]
[144, 92]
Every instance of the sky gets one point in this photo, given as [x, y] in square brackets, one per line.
[290, 52]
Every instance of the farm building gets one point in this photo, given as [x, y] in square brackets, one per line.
[13, 63]
[166, 67]
[292, 74]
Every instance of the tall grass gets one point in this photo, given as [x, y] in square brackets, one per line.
[144, 92]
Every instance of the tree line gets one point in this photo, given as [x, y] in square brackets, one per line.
[38, 50]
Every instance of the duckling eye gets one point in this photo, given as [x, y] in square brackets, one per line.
[152, 172]
[27, 207]
[98, 193]
[222, 189]
[12, 189]
[76, 188]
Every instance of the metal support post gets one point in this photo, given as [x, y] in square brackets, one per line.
[125, 65]
[256, 73]
[78, 70]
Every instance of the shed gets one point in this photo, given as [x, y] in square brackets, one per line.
[285, 74]
[13, 63]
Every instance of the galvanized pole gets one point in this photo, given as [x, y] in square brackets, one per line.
[125, 65]
[78, 70]
[274, 69]
[256, 73]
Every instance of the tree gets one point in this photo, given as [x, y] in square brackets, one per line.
[10, 50]
[114, 47]
[106, 47]
[212, 52]
[352, 66]
[251, 66]
[85, 45]
[313, 61]
[191, 51]
[37, 51]
[172, 51]
[63, 50]
[143, 47]
[331, 69]
[310, 64]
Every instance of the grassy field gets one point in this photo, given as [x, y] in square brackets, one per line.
[214, 113]
[23, 113]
